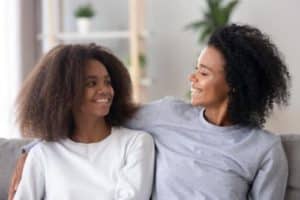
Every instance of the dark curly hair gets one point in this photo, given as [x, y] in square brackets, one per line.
[44, 104]
[255, 72]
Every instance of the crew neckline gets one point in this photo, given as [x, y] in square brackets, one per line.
[103, 141]
[216, 128]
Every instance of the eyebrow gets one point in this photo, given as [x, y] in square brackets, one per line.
[205, 66]
[96, 77]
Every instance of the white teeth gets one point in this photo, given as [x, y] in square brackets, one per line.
[102, 100]
[193, 90]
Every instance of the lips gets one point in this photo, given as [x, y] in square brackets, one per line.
[103, 100]
[195, 90]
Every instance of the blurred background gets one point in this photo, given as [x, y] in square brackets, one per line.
[159, 41]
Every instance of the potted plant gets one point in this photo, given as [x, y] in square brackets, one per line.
[83, 15]
[217, 14]
[142, 62]
[143, 68]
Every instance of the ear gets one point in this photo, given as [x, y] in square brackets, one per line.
[17, 175]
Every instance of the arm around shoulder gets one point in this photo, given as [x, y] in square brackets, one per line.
[150, 114]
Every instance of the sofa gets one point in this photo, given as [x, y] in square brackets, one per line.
[10, 150]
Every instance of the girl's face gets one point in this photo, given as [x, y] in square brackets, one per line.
[98, 91]
[208, 85]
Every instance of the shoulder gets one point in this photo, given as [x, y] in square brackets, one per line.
[131, 136]
[274, 154]
[267, 138]
[268, 146]
[42, 148]
[36, 154]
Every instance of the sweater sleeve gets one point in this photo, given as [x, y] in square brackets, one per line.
[271, 179]
[31, 186]
[150, 114]
[135, 178]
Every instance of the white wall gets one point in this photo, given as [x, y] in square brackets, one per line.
[10, 65]
[172, 51]
[17, 57]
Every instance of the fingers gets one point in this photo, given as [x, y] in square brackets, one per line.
[17, 175]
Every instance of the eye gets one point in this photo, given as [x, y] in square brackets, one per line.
[108, 82]
[202, 71]
[90, 83]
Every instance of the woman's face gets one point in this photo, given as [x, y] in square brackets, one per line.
[208, 85]
[98, 91]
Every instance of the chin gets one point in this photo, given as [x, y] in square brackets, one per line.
[102, 114]
[196, 103]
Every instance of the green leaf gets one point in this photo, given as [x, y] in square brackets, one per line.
[195, 25]
[205, 33]
[216, 14]
[229, 8]
[85, 10]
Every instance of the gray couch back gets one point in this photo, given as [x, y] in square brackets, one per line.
[291, 144]
[10, 149]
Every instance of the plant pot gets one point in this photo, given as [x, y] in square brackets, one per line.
[83, 24]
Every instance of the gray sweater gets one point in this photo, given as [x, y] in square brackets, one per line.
[196, 160]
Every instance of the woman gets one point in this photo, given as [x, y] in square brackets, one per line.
[215, 148]
[76, 101]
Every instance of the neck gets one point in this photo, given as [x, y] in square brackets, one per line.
[218, 115]
[89, 130]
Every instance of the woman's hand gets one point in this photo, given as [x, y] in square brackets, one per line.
[16, 176]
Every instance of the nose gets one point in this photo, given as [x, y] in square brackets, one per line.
[102, 88]
[192, 77]
[104, 92]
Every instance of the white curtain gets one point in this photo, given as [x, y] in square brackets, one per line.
[10, 65]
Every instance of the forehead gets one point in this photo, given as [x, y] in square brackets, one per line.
[212, 58]
[94, 67]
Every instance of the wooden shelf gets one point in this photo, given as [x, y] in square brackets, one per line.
[93, 35]
[99, 35]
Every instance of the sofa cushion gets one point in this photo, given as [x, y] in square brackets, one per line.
[291, 144]
[9, 152]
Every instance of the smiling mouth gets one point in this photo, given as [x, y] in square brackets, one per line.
[103, 100]
[195, 91]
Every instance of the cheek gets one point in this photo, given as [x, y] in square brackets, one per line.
[215, 89]
[221, 90]
[88, 93]
[86, 99]
[208, 84]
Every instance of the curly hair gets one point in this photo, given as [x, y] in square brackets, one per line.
[255, 72]
[56, 85]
